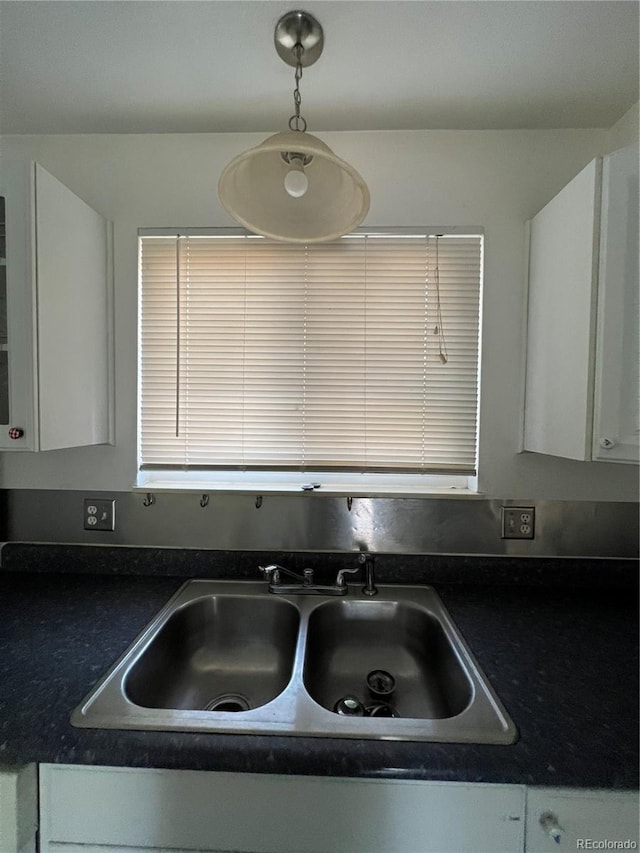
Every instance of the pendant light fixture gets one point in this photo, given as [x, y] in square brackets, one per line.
[292, 186]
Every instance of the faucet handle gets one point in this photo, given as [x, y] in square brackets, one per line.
[340, 581]
[271, 572]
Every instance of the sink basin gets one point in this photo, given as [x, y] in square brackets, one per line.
[228, 656]
[346, 640]
[203, 656]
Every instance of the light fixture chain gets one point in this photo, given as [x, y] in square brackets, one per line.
[297, 122]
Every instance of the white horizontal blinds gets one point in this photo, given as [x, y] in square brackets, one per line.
[335, 355]
[451, 390]
[395, 367]
[322, 356]
[273, 384]
[212, 350]
[158, 352]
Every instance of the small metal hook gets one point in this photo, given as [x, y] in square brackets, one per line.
[149, 500]
[204, 500]
[349, 503]
[258, 501]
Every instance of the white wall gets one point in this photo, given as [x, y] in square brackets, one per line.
[493, 179]
[625, 131]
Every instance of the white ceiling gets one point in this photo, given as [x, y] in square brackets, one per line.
[160, 66]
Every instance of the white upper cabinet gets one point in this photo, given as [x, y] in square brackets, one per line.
[55, 326]
[581, 393]
[617, 379]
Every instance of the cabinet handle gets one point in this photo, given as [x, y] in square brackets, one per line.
[607, 443]
[16, 432]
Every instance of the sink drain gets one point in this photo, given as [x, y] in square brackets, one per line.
[349, 706]
[228, 702]
[381, 683]
[381, 710]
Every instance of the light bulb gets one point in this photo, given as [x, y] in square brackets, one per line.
[296, 182]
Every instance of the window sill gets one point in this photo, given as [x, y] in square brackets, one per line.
[315, 482]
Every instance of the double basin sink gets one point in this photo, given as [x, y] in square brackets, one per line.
[228, 656]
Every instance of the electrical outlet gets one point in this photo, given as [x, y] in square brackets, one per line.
[518, 522]
[99, 514]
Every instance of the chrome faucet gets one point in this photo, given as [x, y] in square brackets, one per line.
[303, 584]
[366, 560]
[274, 572]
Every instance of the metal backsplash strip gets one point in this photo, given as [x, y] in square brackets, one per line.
[312, 522]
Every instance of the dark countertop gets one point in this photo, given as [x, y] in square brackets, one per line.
[564, 662]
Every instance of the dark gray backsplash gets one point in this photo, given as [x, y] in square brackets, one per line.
[572, 572]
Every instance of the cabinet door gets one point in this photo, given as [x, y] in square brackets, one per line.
[18, 809]
[617, 381]
[561, 320]
[581, 820]
[18, 428]
[260, 813]
[56, 359]
[73, 308]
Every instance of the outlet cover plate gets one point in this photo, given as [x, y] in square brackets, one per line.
[99, 514]
[518, 522]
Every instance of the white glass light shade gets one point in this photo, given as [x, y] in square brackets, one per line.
[251, 189]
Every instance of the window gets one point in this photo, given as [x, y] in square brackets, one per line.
[359, 355]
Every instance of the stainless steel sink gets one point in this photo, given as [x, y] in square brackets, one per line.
[228, 656]
[347, 640]
[203, 656]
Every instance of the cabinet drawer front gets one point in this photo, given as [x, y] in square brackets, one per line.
[54, 847]
[192, 810]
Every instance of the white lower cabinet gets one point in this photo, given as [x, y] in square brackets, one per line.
[129, 809]
[18, 809]
[563, 819]
[107, 809]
